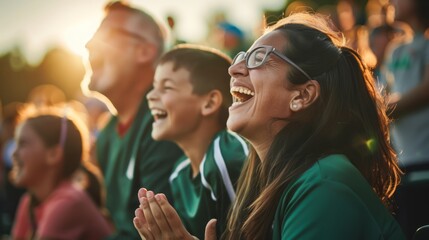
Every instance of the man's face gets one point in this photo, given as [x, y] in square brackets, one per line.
[113, 53]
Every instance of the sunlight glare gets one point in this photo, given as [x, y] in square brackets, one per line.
[77, 36]
[371, 144]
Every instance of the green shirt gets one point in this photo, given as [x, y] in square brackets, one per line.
[209, 195]
[132, 161]
[332, 200]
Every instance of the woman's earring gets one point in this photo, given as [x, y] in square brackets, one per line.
[294, 106]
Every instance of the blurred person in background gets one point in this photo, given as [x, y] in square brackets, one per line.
[11, 194]
[379, 39]
[51, 145]
[46, 95]
[384, 35]
[122, 57]
[409, 107]
[225, 35]
[230, 37]
[356, 34]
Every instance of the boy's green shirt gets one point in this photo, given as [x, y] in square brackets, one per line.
[210, 193]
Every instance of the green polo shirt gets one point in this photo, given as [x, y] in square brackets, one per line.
[130, 162]
[332, 200]
[210, 193]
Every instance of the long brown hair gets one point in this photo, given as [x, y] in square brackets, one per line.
[348, 118]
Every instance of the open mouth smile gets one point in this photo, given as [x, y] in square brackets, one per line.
[241, 95]
[158, 114]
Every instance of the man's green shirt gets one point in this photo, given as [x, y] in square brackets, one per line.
[130, 162]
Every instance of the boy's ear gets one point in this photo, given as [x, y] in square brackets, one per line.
[55, 155]
[306, 94]
[146, 52]
[212, 102]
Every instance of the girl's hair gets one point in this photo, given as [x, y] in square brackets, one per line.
[95, 187]
[59, 126]
[348, 118]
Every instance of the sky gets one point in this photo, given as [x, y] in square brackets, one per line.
[36, 25]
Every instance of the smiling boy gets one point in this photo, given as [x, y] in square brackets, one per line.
[189, 102]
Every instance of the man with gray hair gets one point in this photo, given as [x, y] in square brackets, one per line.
[122, 55]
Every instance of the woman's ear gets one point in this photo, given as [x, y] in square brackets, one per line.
[307, 94]
[212, 102]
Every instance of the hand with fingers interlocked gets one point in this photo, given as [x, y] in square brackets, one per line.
[156, 219]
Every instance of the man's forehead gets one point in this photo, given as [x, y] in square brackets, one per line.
[123, 19]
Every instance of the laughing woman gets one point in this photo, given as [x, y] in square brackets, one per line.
[321, 165]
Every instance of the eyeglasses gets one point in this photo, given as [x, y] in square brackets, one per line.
[116, 33]
[259, 55]
[128, 33]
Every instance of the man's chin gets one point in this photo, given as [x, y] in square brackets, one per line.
[92, 87]
[88, 83]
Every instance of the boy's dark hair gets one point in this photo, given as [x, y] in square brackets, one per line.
[208, 70]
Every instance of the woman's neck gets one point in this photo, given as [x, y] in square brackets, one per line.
[261, 143]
